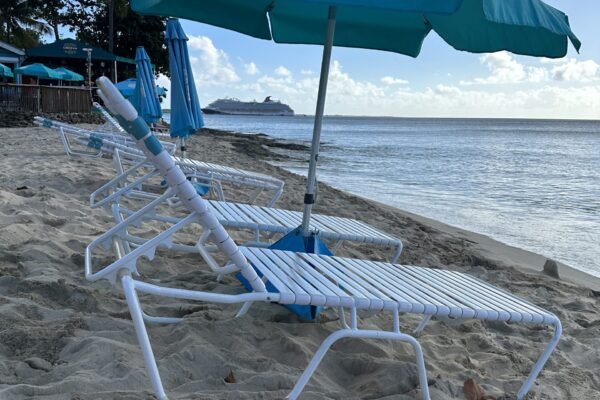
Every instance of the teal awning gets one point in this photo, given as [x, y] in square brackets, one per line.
[71, 48]
[528, 27]
[5, 72]
[39, 70]
[68, 75]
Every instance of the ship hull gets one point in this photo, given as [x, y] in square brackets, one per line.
[226, 112]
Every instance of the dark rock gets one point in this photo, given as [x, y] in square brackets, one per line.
[38, 363]
[551, 269]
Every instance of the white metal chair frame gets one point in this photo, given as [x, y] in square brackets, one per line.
[304, 279]
[127, 155]
[264, 222]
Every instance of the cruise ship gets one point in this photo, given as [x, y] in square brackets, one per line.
[238, 107]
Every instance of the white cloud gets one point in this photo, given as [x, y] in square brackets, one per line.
[389, 80]
[572, 70]
[211, 66]
[283, 71]
[164, 81]
[307, 72]
[251, 69]
[505, 69]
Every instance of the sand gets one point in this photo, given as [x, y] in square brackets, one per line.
[62, 337]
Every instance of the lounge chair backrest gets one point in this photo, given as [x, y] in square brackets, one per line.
[150, 145]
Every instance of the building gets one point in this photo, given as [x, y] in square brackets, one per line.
[72, 54]
[11, 56]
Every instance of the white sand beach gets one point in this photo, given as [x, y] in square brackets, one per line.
[62, 337]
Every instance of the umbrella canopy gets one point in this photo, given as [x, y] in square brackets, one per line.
[68, 75]
[186, 116]
[127, 88]
[145, 98]
[5, 72]
[528, 27]
[40, 71]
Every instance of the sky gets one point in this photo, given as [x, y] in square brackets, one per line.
[441, 82]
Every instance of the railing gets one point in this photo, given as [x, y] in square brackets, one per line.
[45, 99]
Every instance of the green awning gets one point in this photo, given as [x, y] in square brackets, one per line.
[71, 48]
[39, 71]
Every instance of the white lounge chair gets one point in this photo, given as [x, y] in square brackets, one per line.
[212, 175]
[304, 279]
[266, 223]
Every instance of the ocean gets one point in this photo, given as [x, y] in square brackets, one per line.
[533, 184]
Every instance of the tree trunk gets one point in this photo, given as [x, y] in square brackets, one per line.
[111, 26]
[55, 27]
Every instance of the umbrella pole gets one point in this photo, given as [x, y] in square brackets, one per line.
[183, 148]
[309, 196]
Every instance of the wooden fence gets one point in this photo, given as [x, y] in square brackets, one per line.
[45, 99]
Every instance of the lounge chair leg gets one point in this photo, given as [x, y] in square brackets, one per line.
[336, 246]
[397, 253]
[244, 309]
[422, 325]
[142, 335]
[367, 334]
[537, 368]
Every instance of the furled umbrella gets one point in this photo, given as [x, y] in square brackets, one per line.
[186, 115]
[528, 27]
[145, 97]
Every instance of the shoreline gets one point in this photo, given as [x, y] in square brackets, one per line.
[490, 248]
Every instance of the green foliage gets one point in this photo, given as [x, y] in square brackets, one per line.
[89, 20]
[19, 23]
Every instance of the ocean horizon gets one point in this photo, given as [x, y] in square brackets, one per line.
[532, 184]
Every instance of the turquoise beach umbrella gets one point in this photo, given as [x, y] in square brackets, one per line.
[127, 88]
[68, 75]
[39, 71]
[186, 116]
[5, 72]
[527, 27]
[145, 97]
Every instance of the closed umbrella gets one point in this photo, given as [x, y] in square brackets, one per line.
[528, 27]
[186, 115]
[5, 72]
[145, 97]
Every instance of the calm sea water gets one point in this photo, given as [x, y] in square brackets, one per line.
[528, 183]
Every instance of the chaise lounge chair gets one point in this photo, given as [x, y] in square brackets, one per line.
[211, 175]
[305, 279]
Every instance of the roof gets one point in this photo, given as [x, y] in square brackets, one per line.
[9, 53]
[11, 49]
[71, 48]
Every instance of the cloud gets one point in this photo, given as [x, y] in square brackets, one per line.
[306, 72]
[251, 69]
[164, 81]
[210, 65]
[572, 70]
[388, 80]
[283, 71]
[504, 69]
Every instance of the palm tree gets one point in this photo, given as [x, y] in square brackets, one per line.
[18, 22]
